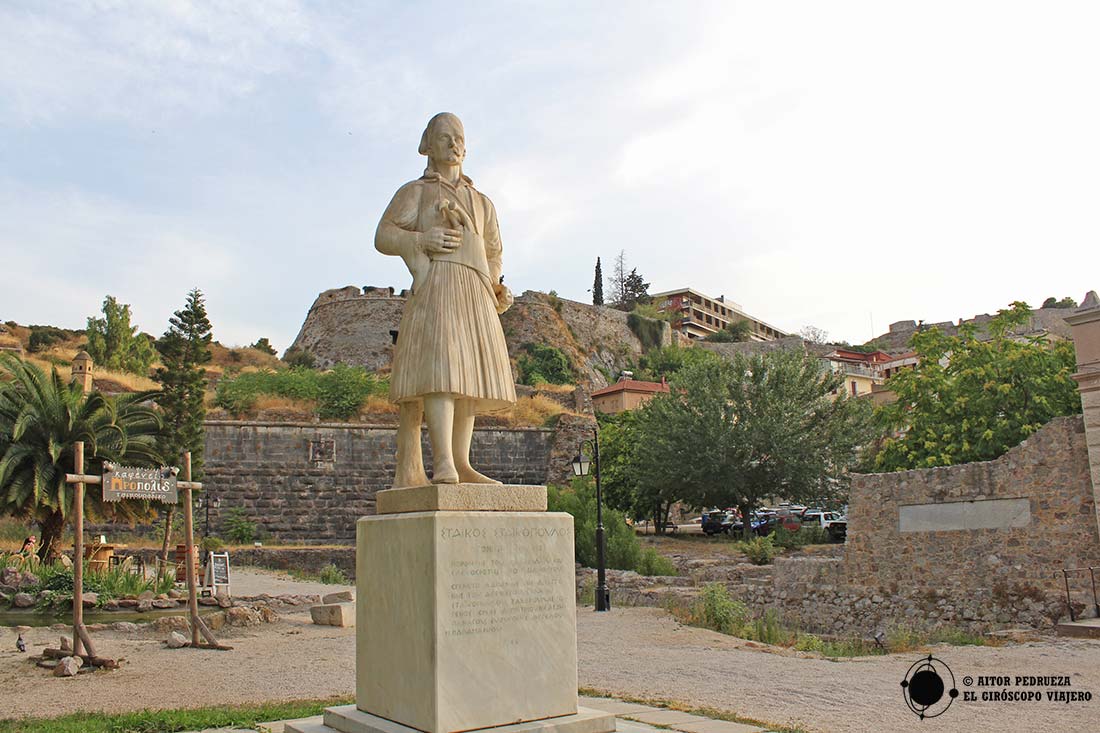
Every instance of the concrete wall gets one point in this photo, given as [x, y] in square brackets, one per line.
[282, 477]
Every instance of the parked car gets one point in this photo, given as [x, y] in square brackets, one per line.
[834, 524]
[717, 523]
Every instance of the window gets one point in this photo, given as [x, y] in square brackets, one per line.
[854, 391]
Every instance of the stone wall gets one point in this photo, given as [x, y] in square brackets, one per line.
[287, 480]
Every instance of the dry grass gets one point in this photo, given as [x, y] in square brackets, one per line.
[242, 358]
[557, 388]
[112, 380]
[532, 411]
[378, 405]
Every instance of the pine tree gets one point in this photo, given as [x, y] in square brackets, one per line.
[184, 348]
[597, 285]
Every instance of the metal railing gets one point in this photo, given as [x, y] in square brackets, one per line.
[1092, 579]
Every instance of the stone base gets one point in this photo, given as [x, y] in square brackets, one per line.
[462, 498]
[466, 620]
[348, 719]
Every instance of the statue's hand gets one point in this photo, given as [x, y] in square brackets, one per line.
[504, 297]
[440, 241]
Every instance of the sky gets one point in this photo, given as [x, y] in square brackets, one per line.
[842, 165]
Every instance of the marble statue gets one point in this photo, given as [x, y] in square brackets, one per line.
[450, 362]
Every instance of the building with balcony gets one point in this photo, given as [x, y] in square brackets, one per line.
[697, 316]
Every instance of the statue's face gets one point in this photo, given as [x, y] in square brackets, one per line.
[447, 144]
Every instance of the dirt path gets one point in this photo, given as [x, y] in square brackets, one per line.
[634, 651]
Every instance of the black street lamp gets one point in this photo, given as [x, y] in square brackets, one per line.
[581, 465]
[205, 502]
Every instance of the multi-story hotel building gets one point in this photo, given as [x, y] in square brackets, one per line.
[697, 316]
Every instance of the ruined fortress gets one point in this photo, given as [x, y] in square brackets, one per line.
[357, 326]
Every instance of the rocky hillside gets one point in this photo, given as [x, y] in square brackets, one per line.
[352, 326]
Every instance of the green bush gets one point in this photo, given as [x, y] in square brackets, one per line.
[238, 528]
[759, 550]
[720, 612]
[332, 575]
[624, 551]
[339, 392]
[55, 581]
[652, 562]
[296, 357]
[212, 544]
[43, 337]
[807, 535]
[648, 330]
[541, 363]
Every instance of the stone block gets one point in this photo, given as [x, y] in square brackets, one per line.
[462, 497]
[466, 620]
[340, 597]
[347, 719]
[333, 614]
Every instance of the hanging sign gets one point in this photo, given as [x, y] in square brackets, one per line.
[127, 482]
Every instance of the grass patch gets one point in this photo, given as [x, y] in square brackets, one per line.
[534, 411]
[706, 712]
[171, 721]
[329, 575]
[714, 609]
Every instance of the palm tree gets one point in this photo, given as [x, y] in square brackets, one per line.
[40, 419]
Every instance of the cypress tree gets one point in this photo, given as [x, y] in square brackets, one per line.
[597, 285]
[184, 348]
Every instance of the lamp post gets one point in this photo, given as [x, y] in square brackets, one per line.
[205, 502]
[581, 465]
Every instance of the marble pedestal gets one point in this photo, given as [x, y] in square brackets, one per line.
[465, 620]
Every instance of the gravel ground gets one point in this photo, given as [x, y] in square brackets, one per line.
[636, 652]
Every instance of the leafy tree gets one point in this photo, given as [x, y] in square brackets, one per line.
[668, 360]
[635, 290]
[40, 419]
[264, 345]
[734, 332]
[184, 348]
[114, 344]
[43, 337]
[972, 399]
[732, 433]
[1053, 302]
[597, 285]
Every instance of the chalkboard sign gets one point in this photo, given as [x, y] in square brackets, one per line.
[217, 570]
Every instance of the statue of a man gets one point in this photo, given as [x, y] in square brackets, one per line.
[451, 361]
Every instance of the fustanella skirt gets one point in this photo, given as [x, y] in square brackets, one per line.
[450, 340]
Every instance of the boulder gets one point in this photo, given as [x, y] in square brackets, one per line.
[176, 594]
[90, 599]
[66, 644]
[171, 623]
[164, 603]
[224, 600]
[334, 614]
[111, 605]
[341, 597]
[29, 580]
[66, 561]
[146, 595]
[176, 640]
[128, 603]
[208, 601]
[125, 626]
[67, 667]
[145, 606]
[214, 621]
[241, 616]
[267, 614]
[22, 600]
[10, 576]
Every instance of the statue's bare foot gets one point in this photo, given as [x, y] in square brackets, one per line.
[445, 473]
[468, 475]
[414, 479]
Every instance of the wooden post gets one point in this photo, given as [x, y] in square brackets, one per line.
[78, 549]
[189, 543]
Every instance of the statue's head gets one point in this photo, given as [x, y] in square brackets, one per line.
[443, 140]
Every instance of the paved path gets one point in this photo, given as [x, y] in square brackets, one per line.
[631, 718]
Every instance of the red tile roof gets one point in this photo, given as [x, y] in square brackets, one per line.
[631, 385]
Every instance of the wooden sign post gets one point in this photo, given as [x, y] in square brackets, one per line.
[133, 483]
